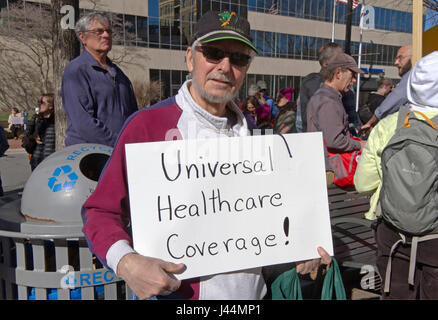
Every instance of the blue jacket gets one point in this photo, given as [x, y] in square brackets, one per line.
[96, 102]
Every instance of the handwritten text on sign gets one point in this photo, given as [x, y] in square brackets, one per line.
[221, 205]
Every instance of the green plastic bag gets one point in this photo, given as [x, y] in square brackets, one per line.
[287, 285]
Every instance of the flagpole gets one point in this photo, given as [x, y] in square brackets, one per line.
[417, 30]
[360, 55]
[333, 24]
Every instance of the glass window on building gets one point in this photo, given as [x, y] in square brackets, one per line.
[252, 5]
[164, 33]
[130, 30]
[281, 84]
[165, 79]
[298, 47]
[299, 12]
[319, 43]
[176, 81]
[268, 44]
[305, 52]
[313, 50]
[323, 11]
[259, 40]
[291, 46]
[341, 12]
[142, 31]
[387, 19]
[283, 7]
[215, 5]
[260, 6]
[283, 46]
[379, 18]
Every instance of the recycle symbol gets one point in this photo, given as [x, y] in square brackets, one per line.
[63, 178]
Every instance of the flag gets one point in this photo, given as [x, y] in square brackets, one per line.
[273, 9]
[355, 2]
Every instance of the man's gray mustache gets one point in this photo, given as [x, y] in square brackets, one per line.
[219, 77]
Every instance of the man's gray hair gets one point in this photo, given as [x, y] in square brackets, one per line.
[85, 21]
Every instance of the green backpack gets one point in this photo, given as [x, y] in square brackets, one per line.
[408, 196]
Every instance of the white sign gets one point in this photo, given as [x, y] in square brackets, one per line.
[17, 120]
[227, 204]
[367, 17]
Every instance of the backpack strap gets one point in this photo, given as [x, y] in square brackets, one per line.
[389, 265]
[403, 111]
[407, 124]
[412, 260]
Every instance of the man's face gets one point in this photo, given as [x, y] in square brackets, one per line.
[98, 37]
[217, 81]
[403, 60]
[345, 79]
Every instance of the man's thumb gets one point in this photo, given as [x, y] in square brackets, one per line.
[173, 267]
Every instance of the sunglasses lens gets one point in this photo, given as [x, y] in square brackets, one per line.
[239, 59]
[216, 55]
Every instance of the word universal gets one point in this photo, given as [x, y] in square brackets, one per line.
[205, 170]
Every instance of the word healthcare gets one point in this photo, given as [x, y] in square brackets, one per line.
[213, 201]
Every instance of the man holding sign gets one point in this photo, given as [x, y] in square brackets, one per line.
[218, 60]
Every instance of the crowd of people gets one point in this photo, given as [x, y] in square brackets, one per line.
[101, 108]
[267, 116]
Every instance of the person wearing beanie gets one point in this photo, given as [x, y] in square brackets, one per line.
[263, 113]
[285, 122]
[422, 85]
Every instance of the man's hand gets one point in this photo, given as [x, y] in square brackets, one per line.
[366, 128]
[149, 277]
[308, 266]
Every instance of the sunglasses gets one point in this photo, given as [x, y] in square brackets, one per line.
[216, 55]
[100, 32]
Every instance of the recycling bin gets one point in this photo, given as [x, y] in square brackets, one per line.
[43, 251]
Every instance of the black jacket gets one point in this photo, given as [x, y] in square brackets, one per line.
[44, 128]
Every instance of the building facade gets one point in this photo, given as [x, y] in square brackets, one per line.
[287, 33]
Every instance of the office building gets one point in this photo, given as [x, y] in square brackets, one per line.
[287, 33]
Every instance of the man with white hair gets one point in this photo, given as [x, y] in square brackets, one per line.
[218, 60]
[406, 276]
[97, 96]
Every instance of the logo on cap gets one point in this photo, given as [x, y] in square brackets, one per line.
[225, 18]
